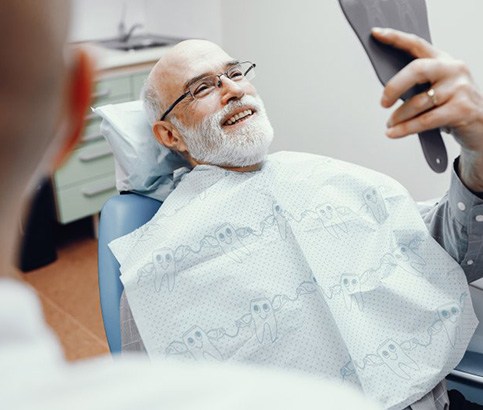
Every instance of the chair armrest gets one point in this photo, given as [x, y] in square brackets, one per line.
[470, 367]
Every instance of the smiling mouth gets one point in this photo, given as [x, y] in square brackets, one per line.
[240, 117]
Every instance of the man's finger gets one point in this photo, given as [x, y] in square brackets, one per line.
[419, 104]
[420, 71]
[436, 118]
[411, 43]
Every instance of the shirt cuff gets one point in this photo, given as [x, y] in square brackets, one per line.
[467, 209]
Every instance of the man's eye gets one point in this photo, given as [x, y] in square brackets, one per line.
[202, 90]
[235, 74]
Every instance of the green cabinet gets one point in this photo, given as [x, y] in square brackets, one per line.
[87, 180]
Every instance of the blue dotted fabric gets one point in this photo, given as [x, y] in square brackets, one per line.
[310, 264]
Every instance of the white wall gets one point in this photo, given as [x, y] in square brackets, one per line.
[185, 18]
[99, 19]
[319, 87]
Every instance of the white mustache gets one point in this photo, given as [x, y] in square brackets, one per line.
[246, 100]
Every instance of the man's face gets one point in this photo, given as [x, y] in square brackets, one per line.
[228, 126]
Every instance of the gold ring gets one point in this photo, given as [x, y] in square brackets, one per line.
[432, 96]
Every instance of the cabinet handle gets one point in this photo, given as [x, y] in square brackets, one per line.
[91, 156]
[98, 189]
[91, 116]
[101, 94]
[92, 137]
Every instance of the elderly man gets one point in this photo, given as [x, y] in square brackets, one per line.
[202, 105]
[44, 94]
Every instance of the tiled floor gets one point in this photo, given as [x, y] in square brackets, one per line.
[70, 296]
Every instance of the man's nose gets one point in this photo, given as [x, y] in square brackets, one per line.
[230, 90]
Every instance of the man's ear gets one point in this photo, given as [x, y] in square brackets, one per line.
[167, 135]
[78, 98]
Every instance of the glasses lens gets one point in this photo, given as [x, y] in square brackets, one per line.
[204, 86]
[241, 71]
[248, 70]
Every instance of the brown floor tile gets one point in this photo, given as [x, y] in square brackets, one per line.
[69, 291]
[77, 341]
[71, 283]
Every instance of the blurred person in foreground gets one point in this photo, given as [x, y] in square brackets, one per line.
[44, 94]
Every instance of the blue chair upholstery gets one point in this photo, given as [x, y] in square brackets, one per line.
[468, 377]
[120, 215]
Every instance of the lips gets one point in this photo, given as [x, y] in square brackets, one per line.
[239, 116]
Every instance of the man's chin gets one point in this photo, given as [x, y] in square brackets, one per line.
[249, 162]
[239, 145]
[238, 156]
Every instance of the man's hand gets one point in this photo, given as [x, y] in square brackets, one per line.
[456, 103]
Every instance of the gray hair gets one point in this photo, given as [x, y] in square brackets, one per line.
[151, 101]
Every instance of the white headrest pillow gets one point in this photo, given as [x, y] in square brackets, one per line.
[142, 164]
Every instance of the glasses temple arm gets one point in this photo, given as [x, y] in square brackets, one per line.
[174, 105]
[250, 68]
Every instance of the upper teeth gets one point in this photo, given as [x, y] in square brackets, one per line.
[236, 117]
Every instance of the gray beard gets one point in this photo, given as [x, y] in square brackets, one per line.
[248, 144]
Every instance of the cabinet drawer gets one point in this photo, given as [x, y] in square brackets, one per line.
[86, 162]
[92, 130]
[84, 199]
[107, 90]
[138, 83]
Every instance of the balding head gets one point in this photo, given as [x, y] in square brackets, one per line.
[201, 103]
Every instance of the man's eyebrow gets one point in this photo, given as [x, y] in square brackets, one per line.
[199, 77]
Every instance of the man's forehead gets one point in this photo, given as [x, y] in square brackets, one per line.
[191, 59]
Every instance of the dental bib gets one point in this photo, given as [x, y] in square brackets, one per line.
[309, 264]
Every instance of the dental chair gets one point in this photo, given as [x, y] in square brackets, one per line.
[124, 213]
[120, 215]
[142, 166]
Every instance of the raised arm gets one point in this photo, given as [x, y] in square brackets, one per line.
[454, 103]
[456, 222]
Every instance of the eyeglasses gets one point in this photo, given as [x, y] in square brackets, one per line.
[206, 85]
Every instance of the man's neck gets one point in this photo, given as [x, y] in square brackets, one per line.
[249, 168]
